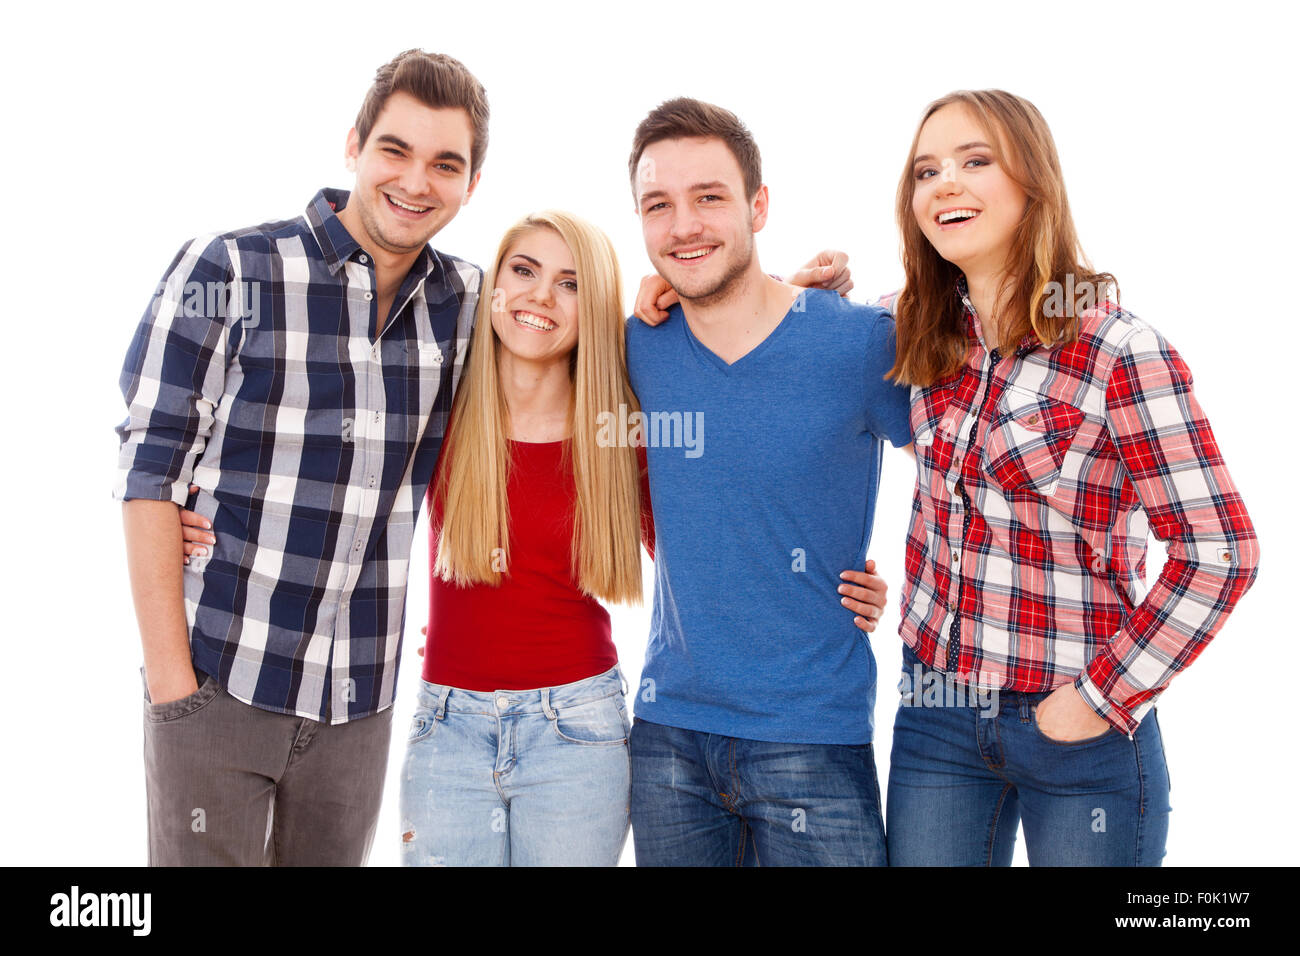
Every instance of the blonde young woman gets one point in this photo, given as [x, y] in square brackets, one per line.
[1051, 428]
[534, 521]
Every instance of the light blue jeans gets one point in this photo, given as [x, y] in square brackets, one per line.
[517, 777]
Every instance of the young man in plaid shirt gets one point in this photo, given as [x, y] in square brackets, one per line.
[299, 373]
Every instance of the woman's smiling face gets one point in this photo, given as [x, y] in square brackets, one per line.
[964, 201]
[535, 305]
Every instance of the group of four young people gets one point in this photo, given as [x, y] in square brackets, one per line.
[1046, 440]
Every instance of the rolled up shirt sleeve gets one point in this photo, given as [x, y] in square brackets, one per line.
[1177, 472]
[174, 374]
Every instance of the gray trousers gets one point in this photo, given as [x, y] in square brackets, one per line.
[229, 784]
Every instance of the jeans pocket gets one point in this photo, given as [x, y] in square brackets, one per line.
[600, 722]
[423, 724]
[1033, 716]
[175, 709]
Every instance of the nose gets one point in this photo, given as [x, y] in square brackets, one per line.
[543, 293]
[949, 184]
[415, 184]
[686, 223]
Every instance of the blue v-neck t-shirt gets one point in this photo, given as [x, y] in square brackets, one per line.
[763, 478]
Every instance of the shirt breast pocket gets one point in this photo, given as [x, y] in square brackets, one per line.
[1027, 441]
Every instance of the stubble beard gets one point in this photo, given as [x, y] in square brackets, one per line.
[725, 287]
[375, 230]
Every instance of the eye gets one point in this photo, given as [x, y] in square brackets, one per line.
[925, 172]
[448, 168]
[656, 207]
[523, 271]
[978, 161]
[569, 284]
[392, 151]
[708, 198]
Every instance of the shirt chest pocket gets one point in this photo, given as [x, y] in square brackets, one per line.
[1027, 441]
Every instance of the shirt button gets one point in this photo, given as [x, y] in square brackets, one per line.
[363, 259]
[503, 702]
[369, 296]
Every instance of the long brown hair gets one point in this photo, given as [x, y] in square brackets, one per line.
[1044, 249]
[474, 540]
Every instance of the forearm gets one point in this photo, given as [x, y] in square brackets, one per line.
[154, 561]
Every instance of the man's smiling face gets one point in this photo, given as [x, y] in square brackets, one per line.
[412, 175]
[696, 219]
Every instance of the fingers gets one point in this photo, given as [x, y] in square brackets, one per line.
[841, 280]
[653, 299]
[864, 593]
[812, 277]
[195, 536]
[829, 269]
[195, 532]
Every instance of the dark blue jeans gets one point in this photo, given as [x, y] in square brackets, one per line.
[706, 800]
[964, 773]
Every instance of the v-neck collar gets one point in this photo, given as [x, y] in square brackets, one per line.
[707, 356]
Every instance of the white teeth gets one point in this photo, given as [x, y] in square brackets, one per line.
[403, 205]
[691, 255]
[957, 214]
[534, 321]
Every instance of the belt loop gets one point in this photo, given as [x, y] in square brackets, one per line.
[442, 703]
[622, 681]
[546, 704]
[1023, 700]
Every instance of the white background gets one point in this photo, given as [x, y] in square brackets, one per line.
[130, 128]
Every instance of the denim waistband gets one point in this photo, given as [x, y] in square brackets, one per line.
[540, 700]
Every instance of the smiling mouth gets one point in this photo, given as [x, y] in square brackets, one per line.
[530, 320]
[405, 207]
[953, 218]
[692, 255]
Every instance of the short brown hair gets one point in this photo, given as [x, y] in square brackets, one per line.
[436, 80]
[684, 117]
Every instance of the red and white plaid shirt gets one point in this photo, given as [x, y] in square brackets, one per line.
[1038, 475]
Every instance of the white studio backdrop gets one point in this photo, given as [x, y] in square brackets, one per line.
[132, 127]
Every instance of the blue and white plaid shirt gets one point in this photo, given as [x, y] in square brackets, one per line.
[255, 374]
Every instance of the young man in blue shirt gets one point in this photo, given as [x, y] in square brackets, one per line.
[754, 716]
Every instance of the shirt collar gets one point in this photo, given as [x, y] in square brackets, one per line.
[338, 245]
[975, 332]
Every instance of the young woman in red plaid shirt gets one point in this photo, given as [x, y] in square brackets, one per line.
[1052, 430]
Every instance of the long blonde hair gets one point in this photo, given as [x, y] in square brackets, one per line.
[474, 543]
[1044, 249]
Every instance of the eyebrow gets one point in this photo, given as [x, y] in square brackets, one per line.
[715, 186]
[978, 144]
[538, 265]
[403, 144]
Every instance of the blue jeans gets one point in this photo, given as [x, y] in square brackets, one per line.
[706, 800]
[965, 773]
[517, 777]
